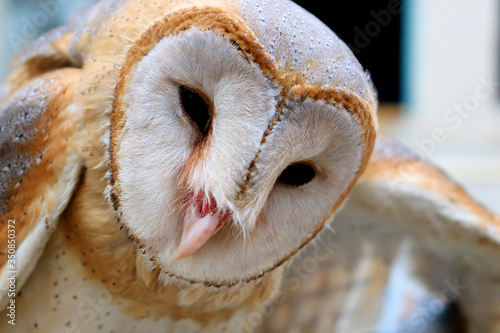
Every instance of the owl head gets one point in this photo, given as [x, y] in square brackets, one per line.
[237, 131]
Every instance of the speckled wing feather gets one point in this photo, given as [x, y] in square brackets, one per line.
[40, 136]
[40, 166]
[402, 209]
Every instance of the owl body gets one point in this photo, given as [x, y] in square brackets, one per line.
[167, 163]
[68, 297]
[94, 276]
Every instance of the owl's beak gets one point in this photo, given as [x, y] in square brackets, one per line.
[198, 227]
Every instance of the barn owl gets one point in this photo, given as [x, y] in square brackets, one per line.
[174, 166]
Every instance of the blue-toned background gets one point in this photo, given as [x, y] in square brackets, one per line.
[23, 20]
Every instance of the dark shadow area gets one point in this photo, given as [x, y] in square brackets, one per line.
[451, 320]
[372, 31]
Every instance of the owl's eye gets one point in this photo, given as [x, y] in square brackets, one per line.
[297, 174]
[195, 107]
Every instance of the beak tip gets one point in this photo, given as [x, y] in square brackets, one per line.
[196, 232]
[178, 256]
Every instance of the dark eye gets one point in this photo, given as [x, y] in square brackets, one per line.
[195, 107]
[297, 174]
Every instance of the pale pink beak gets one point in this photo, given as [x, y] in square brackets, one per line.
[201, 221]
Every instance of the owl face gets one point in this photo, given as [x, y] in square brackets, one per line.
[222, 167]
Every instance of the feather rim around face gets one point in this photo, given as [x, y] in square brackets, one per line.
[292, 87]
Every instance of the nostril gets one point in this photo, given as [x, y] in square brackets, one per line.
[206, 205]
[203, 204]
[297, 174]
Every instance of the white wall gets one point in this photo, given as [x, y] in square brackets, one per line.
[453, 111]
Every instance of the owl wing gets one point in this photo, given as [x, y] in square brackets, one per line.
[407, 241]
[39, 137]
[409, 197]
[407, 207]
[40, 165]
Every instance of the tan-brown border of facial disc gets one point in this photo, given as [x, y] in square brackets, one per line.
[292, 85]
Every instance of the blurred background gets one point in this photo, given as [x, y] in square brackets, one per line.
[435, 65]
